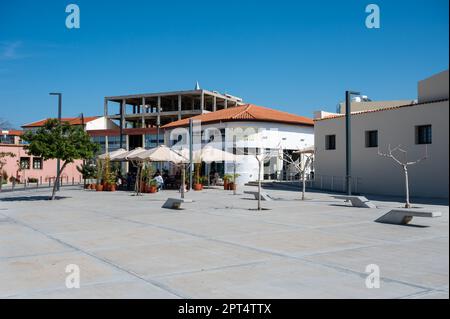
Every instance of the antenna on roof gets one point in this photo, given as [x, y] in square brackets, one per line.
[197, 86]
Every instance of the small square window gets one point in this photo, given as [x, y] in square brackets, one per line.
[37, 163]
[371, 138]
[330, 142]
[24, 163]
[423, 134]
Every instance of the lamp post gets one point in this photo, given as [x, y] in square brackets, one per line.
[191, 146]
[348, 144]
[58, 162]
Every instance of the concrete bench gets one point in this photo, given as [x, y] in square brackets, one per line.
[402, 216]
[264, 196]
[357, 201]
[175, 203]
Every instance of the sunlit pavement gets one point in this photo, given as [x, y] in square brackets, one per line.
[216, 247]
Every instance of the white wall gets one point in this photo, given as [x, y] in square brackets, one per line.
[378, 175]
[262, 135]
[101, 123]
[434, 88]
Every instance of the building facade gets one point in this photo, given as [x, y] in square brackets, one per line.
[140, 117]
[247, 130]
[30, 169]
[420, 128]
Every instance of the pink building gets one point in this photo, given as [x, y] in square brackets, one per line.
[25, 167]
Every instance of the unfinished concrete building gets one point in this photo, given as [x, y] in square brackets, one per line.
[140, 116]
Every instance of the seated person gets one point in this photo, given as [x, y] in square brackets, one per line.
[159, 181]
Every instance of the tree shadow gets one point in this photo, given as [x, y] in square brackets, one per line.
[31, 198]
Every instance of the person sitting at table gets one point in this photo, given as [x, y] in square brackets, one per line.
[159, 181]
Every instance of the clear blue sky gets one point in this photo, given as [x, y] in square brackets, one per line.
[292, 55]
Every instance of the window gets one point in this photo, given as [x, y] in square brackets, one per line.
[37, 163]
[6, 139]
[423, 134]
[371, 138]
[330, 142]
[24, 163]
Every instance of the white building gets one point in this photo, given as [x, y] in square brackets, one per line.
[417, 127]
[247, 130]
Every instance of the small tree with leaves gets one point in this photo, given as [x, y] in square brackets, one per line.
[404, 163]
[61, 141]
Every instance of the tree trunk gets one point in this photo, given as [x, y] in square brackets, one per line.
[407, 204]
[304, 185]
[137, 183]
[234, 178]
[183, 180]
[259, 185]
[58, 176]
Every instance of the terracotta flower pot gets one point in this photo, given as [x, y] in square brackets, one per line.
[112, 187]
[152, 189]
[92, 186]
[99, 187]
[198, 187]
[225, 185]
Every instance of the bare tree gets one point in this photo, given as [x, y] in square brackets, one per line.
[404, 163]
[261, 158]
[301, 164]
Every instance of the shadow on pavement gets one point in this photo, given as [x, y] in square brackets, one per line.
[30, 198]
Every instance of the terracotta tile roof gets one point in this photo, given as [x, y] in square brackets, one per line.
[12, 132]
[70, 120]
[330, 117]
[247, 112]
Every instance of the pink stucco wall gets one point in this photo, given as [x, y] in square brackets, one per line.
[47, 172]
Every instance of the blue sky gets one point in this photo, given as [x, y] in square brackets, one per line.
[295, 56]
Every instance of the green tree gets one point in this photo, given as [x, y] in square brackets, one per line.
[3, 163]
[60, 141]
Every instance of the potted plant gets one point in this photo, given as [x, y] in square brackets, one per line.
[232, 185]
[153, 186]
[87, 171]
[146, 177]
[99, 185]
[109, 176]
[197, 184]
[226, 181]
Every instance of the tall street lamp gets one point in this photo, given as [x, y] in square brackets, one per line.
[58, 162]
[348, 142]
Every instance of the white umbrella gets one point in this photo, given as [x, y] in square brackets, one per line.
[112, 154]
[127, 155]
[208, 154]
[160, 153]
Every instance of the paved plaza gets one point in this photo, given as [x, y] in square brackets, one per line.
[216, 247]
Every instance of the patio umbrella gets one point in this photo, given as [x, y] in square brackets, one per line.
[210, 154]
[127, 155]
[160, 153]
[112, 154]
